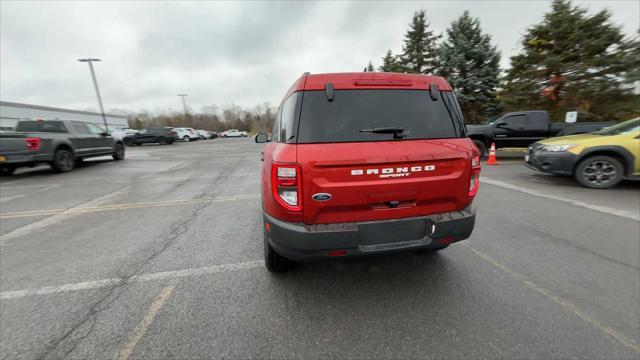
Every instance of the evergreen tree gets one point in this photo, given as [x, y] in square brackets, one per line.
[419, 50]
[472, 66]
[572, 61]
[370, 67]
[391, 63]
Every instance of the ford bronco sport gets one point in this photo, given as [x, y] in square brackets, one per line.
[366, 163]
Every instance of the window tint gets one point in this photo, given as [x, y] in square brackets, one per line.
[95, 129]
[275, 133]
[80, 127]
[342, 119]
[516, 120]
[287, 119]
[41, 126]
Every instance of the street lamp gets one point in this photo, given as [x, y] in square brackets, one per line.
[184, 103]
[95, 85]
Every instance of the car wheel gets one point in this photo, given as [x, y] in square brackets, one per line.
[273, 261]
[119, 153]
[186, 138]
[128, 142]
[6, 170]
[162, 140]
[482, 147]
[63, 161]
[599, 172]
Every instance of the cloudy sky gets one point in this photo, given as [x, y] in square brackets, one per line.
[220, 53]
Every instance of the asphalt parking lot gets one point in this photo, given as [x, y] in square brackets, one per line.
[160, 256]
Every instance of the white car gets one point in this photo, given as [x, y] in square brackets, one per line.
[186, 134]
[234, 133]
[120, 133]
[204, 134]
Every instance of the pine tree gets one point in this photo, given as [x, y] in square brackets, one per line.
[472, 66]
[572, 61]
[390, 63]
[419, 51]
[370, 67]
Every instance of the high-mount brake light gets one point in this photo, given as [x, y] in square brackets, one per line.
[382, 82]
[286, 186]
[474, 181]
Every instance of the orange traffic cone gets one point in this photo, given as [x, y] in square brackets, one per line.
[492, 155]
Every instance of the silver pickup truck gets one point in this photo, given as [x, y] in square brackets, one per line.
[59, 143]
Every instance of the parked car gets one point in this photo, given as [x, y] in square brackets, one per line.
[151, 135]
[214, 135]
[523, 128]
[186, 134]
[233, 133]
[366, 163]
[204, 134]
[59, 143]
[597, 160]
[120, 133]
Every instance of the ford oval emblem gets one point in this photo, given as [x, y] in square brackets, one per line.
[321, 197]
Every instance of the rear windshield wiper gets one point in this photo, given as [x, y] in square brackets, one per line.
[398, 133]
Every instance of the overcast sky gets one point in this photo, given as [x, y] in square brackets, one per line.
[219, 53]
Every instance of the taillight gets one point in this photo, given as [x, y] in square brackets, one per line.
[474, 181]
[33, 143]
[287, 186]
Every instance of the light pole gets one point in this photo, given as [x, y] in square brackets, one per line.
[95, 85]
[184, 103]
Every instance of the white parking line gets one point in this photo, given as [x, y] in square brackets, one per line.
[97, 284]
[603, 209]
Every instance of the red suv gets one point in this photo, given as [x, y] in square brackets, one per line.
[366, 163]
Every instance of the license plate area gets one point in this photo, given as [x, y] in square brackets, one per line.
[389, 232]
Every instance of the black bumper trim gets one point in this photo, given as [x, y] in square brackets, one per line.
[299, 241]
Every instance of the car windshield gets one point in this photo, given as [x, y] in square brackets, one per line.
[631, 126]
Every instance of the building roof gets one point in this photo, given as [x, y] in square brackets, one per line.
[49, 108]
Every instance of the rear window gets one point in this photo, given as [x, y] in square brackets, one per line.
[41, 126]
[350, 111]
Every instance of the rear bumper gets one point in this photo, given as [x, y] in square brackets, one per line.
[299, 241]
[560, 163]
[17, 159]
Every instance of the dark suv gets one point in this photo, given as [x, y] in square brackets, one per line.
[151, 135]
[366, 163]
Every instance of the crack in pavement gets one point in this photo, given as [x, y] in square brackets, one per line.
[60, 348]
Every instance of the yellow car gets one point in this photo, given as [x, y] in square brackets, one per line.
[597, 160]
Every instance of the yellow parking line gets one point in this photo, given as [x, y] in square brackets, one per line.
[146, 322]
[90, 209]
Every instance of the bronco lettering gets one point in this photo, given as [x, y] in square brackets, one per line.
[394, 172]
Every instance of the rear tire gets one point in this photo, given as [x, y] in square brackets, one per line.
[162, 140]
[63, 161]
[186, 138]
[599, 172]
[482, 147]
[6, 170]
[273, 261]
[128, 142]
[119, 153]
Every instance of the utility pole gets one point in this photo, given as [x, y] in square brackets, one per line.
[184, 103]
[95, 85]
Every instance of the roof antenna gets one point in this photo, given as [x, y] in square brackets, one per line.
[328, 89]
[434, 92]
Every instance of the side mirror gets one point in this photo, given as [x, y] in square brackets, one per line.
[105, 134]
[262, 138]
